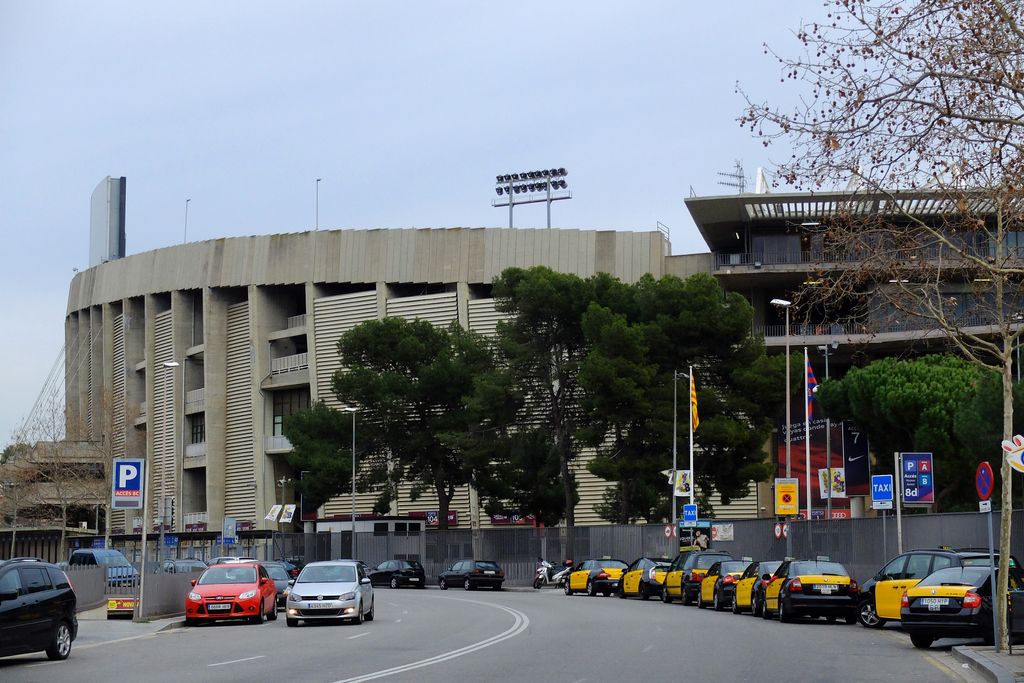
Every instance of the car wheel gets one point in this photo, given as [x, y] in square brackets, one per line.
[644, 592]
[566, 588]
[921, 640]
[60, 642]
[467, 585]
[369, 615]
[735, 606]
[358, 618]
[622, 591]
[443, 584]
[591, 589]
[665, 597]
[716, 601]
[394, 582]
[765, 612]
[291, 622]
[700, 600]
[868, 616]
[272, 614]
[784, 616]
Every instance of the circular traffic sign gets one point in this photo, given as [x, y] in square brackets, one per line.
[785, 530]
[778, 530]
[668, 531]
[984, 481]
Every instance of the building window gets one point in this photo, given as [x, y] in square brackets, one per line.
[380, 528]
[198, 428]
[288, 403]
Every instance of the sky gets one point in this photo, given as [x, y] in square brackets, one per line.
[405, 110]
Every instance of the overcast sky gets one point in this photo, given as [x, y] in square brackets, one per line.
[406, 110]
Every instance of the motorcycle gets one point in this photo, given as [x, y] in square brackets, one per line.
[544, 575]
[562, 575]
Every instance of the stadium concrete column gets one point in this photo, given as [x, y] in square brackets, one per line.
[383, 294]
[310, 297]
[135, 381]
[215, 363]
[71, 342]
[81, 369]
[92, 429]
[264, 318]
[462, 306]
[182, 321]
[111, 399]
[152, 416]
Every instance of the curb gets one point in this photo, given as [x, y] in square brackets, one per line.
[982, 664]
[172, 625]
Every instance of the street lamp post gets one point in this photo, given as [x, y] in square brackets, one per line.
[317, 219]
[168, 375]
[353, 410]
[828, 434]
[782, 303]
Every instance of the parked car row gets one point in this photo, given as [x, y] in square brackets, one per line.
[933, 593]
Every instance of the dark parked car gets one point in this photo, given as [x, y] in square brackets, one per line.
[37, 609]
[120, 572]
[472, 574]
[182, 566]
[398, 573]
[278, 573]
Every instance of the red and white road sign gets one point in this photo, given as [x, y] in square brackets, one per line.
[785, 530]
[669, 531]
[778, 530]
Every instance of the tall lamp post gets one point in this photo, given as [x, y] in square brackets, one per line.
[168, 376]
[547, 185]
[782, 303]
[316, 224]
[353, 410]
[828, 434]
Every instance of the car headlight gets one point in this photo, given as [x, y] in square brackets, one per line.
[247, 594]
[348, 596]
[295, 597]
[195, 597]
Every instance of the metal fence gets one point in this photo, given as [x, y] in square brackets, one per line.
[862, 544]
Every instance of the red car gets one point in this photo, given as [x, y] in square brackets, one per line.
[239, 590]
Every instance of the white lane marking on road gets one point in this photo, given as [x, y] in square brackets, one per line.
[236, 661]
[521, 623]
[648, 648]
[359, 636]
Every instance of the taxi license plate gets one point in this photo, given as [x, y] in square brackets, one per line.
[414, 579]
[934, 604]
[320, 605]
[488, 571]
[827, 590]
[219, 606]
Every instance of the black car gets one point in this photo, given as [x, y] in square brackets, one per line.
[398, 573]
[472, 574]
[694, 569]
[182, 566]
[278, 573]
[757, 571]
[955, 602]
[37, 609]
[724, 590]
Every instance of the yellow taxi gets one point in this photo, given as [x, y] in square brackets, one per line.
[718, 587]
[881, 594]
[643, 577]
[684, 582]
[595, 576]
[955, 602]
[750, 586]
[815, 588]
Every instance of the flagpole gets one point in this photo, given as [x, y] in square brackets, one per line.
[807, 432]
[675, 431]
[693, 475]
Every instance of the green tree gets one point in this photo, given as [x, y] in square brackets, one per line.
[320, 438]
[411, 381]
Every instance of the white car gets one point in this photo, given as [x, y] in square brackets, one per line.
[339, 589]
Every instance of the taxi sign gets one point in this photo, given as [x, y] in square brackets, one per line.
[690, 515]
[787, 496]
[881, 492]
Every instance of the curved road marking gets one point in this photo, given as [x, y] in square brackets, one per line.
[521, 623]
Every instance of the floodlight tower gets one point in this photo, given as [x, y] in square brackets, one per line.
[546, 186]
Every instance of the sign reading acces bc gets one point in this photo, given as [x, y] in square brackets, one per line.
[127, 484]
[918, 478]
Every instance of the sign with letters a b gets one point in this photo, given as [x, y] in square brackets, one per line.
[127, 484]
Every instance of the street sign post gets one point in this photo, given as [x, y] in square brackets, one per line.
[690, 515]
[984, 483]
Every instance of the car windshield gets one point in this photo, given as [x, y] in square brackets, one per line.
[768, 567]
[705, 561]
[277, 572]
[735, 566]
[957, 576]
[488, 566]
[414, 564]
[228, 574]
[328, 573]
[112, 560]
[825, 568]
[611, 564]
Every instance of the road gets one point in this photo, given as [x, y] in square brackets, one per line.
[444, 636]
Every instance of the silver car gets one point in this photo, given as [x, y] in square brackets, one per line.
[330, 590]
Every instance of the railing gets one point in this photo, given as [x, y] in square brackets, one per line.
[276, 443]
[195, 521]
[295, 321]
[869, 327]
[793, 256]
[299, 361]
[195, 450]
[195, 396]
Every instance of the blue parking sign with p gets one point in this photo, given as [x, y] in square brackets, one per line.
[127, 484]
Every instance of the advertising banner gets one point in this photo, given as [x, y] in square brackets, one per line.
[837, 481]
[918, 478]
[683, 480]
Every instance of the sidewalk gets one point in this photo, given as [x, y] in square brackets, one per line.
[998, 668]
[94, 629]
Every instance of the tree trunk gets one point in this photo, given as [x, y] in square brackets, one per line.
[1007, 501]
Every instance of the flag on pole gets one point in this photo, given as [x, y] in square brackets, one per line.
[812, 385]
[693, 403]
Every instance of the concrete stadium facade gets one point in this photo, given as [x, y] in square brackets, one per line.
[252, 323]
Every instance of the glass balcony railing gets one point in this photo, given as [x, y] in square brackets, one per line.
[276, 443]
